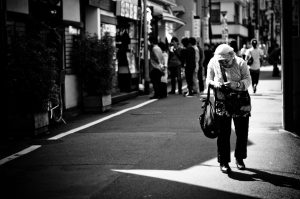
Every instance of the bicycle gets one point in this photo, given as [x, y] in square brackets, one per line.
[55, 103]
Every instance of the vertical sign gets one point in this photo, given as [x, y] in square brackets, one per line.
[196, 26]
[205, 30]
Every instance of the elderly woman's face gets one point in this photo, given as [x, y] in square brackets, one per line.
[226, 62]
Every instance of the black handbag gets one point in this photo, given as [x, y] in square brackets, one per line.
[207, 118]
[236, 103]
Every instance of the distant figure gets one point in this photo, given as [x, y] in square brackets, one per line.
[201, 69]
[156, 60]
[174, 65]
[193, 43]
[190, 65]
[164, 78]
[208, 54]
[243, 51]
[256, 54]
[274, 60]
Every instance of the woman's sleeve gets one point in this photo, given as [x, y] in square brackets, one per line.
[245, 76]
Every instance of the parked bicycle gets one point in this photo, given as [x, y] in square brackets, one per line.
[55, 103]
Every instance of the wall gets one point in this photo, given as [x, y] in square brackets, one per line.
[229, 7]
[71, 10]
[92, 21]
[72, 96]
[20, 6]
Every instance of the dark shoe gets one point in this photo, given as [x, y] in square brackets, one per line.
[240, 164]
[225, 168]
[254, 89]
[171, 92]
[189, 94]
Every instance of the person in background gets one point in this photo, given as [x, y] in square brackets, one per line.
[225, 64]
[156, 71]
[256, 54]
[274, 60]
[208, 54]
[190, 66]
[193, 44]
[164, 79]
[243, 51]
[174, 65]
[201, 69]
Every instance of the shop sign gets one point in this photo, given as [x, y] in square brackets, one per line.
[128, 9]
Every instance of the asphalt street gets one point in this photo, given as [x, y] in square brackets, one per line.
[155, 149]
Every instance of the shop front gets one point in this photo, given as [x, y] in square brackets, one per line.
[127, 44]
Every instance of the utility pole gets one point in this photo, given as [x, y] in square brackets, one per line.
[146, 61]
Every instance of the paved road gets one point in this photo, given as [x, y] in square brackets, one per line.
[158, 151]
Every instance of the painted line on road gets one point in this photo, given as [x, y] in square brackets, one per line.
[34, 147]
[19, 154]
[100, 120]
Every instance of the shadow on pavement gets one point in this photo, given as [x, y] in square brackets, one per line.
[267, 75]
[259, 175]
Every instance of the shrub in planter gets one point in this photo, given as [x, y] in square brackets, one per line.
[94, 62]
[31, 76]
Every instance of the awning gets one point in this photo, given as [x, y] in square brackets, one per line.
[172, 18]
[178, 9]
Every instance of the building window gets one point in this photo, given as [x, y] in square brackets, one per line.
[215, 12]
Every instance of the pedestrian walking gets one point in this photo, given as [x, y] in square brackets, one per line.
[257, 55]
[228, 73]
[156, 72]
[174, 65]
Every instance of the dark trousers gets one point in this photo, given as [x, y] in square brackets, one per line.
[155, 76]
[254, 76]
[163, 92]
[223, 142]
[175, 75]
[275, 70]
[189, 72]
[200, 79]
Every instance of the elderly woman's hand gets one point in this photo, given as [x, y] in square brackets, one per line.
[232, 85]
[217, 84]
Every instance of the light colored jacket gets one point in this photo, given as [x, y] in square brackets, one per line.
[239, 72]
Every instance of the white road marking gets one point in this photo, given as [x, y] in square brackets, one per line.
[34, 147]
[19, 154]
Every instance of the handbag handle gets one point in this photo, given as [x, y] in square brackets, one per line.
[207, 99]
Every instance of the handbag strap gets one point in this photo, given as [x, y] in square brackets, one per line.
[223, 73]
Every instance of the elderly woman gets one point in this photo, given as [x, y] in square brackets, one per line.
[230, 77]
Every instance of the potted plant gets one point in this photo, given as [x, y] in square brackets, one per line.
[94, 60]
[31, 78]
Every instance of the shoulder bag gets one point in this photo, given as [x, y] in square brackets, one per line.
[207, 118]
